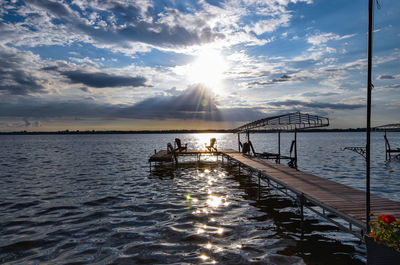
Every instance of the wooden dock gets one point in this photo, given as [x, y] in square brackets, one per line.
[326, 198]
[165, 156]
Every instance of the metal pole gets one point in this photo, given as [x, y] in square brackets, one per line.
[386, 148]
[295, 148]
[369, 88]
[259, 185]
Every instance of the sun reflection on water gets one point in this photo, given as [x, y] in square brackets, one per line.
[214, 201]
[204, 257]
[203, 140]
[209, 200]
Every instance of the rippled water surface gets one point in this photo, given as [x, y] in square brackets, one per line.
[91, 199]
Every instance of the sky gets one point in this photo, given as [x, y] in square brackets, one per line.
[207, 64]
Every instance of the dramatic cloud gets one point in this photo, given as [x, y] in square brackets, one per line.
[72, 109]
[140, 60]
[387, 77]
[195, 103]
[282, 79]
[16, 75]
[123, 22]
[99, 80]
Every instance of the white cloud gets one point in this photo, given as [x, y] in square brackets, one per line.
[325, 37]
[270, 25]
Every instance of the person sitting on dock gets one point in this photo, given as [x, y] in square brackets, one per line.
[179, 145]
[211, 147]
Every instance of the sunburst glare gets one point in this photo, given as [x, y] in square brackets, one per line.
[208, 69]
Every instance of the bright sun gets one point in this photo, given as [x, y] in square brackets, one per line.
[208, 69]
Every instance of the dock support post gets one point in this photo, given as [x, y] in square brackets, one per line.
[239, 142]
[295, 148]
[259, 185]
[386, 148]
[279, 147]
[301, 201]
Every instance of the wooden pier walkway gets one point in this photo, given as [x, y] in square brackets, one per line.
[322, 196]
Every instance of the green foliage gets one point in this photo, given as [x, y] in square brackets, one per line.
[386, 230]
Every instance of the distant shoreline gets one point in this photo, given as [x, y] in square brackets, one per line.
[67, 132]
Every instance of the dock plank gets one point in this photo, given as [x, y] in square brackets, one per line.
[341, 199]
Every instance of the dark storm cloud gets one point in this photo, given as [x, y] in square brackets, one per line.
[132, 27]
[280, 80]
[386, 77]
[101, 80]
[53, 7]
[70, 109]
[194, 103]
[317, 105]
[14, 75]
[98, 79]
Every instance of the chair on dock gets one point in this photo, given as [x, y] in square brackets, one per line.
[275, 156]
[390, 151]
[292, 159]
[170, 149]
[211, 147]
[266, 155]
[245, 148]
[179, 145]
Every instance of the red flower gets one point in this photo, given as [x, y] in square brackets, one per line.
[387, 218]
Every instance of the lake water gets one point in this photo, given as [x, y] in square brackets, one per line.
[91, 199]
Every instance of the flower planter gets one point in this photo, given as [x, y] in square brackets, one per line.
[380, 254]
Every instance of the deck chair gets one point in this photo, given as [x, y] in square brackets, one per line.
[170, 150]
[179, 145]
[390, 151]
[246, 148]
[211, 147]
[266, 155]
